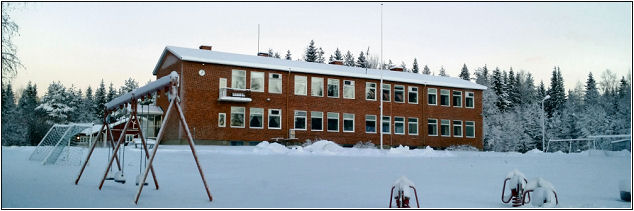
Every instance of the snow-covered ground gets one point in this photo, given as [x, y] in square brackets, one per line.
[320, 175]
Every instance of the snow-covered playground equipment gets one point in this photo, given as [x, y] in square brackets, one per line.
[402, 188]
[169, 84]
[544, 194]
[517, 182]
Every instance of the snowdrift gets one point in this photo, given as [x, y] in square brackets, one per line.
[325, 147]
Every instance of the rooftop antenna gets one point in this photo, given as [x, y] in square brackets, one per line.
[381, 68]
[258, 40]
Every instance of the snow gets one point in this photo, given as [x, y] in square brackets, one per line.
[318, 176]
[142, 91]
[404, 184]
[216, 57]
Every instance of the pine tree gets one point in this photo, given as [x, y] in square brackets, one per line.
[592, 93]
[541, 91]
[361, 61]
[100, 100]
[88, 107]
[311, 52]
[74, 97]
[442, 72]
[26, 108]
[13, 126]
[349, 59]
[512, 89]
[526, 88]
[464, 73]
[337, 56]
[415, 66]
[556, 92]
[498, 88]
[426, 70]
[112, 93]
[288, 55]
[55, 104]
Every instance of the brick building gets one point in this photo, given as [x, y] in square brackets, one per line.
[242, 99]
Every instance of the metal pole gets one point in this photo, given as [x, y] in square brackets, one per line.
[380, 95]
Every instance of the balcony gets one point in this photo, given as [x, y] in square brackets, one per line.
[234, 95]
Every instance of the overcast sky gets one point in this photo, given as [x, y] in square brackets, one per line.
[82, 43]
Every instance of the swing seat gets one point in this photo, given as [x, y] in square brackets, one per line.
[109, 177]
[138, 179]
[119, 177]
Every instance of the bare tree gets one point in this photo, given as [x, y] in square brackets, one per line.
[10, 61]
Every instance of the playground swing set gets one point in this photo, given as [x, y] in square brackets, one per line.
[169, 84]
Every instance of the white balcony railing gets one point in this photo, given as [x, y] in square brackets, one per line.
[234, 95]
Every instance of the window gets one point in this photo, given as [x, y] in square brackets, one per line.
[399, 125]
[300, 85]
[348, 122]
[431, 96]
[432, 127]
[129, 137]
[222, 119]
[239, 79]
[317, 87]
[412, 126]
[385, 125]
[444, 127]
[386, 92]
[370, 91]
[469, 100]
[300, 120]
[348, 89]
[275, 116]
[399, 91]
[457, 128]
[317, 121]
[257, 81]
[370, 123]
[457, 98]
[256, 116]
[333, 122]
[412, 94]
[469, 129]
[237, 117]
[275, 83]
[444, 97]
[333, 88]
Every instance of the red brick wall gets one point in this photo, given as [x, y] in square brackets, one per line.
[201, 107]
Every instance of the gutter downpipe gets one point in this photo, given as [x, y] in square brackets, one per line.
[288, 88]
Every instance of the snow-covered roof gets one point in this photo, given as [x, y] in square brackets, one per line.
[95, 128]
[216, 57]
[147, 109]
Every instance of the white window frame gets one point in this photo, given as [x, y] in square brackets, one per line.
[320, 85]
[389, 124]
[410, 90]
[297, 115]
[448, 97]
[401, 122]
[238, 76]
[466, 125]
[453, 128]
[243, 116]
[268, 125]
[257, 76]
[368, 87]
[402, 89]
[273, 80]
[453, 94]
[333, 80]
[299, 81]
[472, 97]
[448, 126]
[366, 122]
[409, 122]
[435, 93]
[224, 117]
[436, 123]
[347, 87]
[329, 118]
[389, 92]
[253, 112]
[344, 122]
[313, 115]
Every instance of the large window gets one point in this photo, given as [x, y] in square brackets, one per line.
[469, 129]
[444, 127]
[431, 96]
[317, 87]
[444, 97]
[457, 128]
[348, 122]
[385, 124]
[370, 91]
[399, 125]
[275, 119]
[238, 79]
[257, 81]
[300, 120]
[432, 127]
[333, 122]
[275, 83]
[237, 116]
[457, 98]
[348, 89]
[222, 119]
[399, 91]
[412, 94]
[317, 121]
[300, 85]
[469, 100]
[370, 123]
[333, 88]
[412, 126]
[256, 117]
[386, 92]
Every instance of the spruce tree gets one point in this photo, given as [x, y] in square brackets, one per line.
[361, 61]
[112, 93]
[100, 100]
[13, 125]
[541, 92]
[320, 56]
[270, 52]
[311, 52]
[497, 81]
[288, 55]
[556, 92]
[415, 66]
[55, 104]
[482, 76]
[338, 56]
[426, 70]
[404, 66]
[277, 55]
[442, 71]
[464, 73]
[592, 93]
[348, 59]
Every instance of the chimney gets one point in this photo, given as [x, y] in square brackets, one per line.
[336, 62]
[398, 69]
[264, 54]
[205, 47]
